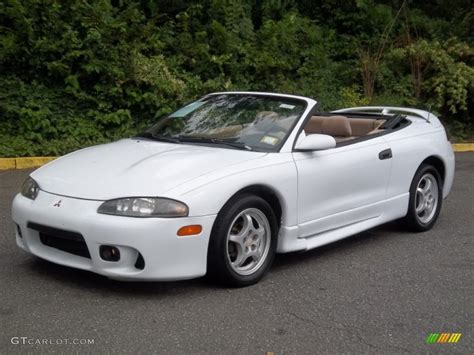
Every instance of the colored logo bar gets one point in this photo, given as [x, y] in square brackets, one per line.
[443, 338]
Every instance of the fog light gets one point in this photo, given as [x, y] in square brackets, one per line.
[109, 253]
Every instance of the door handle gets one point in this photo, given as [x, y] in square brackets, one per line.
[385, 154]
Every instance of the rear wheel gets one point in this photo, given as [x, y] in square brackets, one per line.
[426, 197]
[243, 241]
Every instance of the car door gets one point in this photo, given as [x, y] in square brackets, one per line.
[341, 186]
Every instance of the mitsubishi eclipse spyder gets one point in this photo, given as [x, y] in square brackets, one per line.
[226, 182]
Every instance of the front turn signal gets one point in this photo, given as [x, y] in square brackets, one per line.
[189, 230]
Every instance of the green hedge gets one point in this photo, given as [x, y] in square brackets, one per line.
[76, 73]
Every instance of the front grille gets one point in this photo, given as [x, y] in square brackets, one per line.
[67, 241]
[75, 247]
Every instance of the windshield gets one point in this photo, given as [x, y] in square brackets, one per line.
[242, 121]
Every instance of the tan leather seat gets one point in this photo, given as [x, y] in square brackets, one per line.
[359, 127]
[363, 126]
[337, 126]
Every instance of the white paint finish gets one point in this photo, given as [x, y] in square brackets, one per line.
[340, 179]
[410, 149]
[134, 167]
[166, 255]
[275, 171]
[314, 142]
[325, 195]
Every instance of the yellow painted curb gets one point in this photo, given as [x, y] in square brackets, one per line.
[34, 162]
[7, 163]
[463, 147]
[23, 163]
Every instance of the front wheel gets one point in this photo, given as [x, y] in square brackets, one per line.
[426, 197]
[243, 241]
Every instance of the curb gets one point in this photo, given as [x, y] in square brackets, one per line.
[463, 147]
[34, 162]
[23, 163]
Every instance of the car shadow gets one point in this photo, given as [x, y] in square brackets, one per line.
[101, 285]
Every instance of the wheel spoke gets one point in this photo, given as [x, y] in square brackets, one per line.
[237, 238]
[427, 186]
[419, 200]
[240, 259]
[420, 191]
[248, 225]
[420, 208]
[255, 255]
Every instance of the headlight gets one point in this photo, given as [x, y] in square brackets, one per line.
[144, 207]
[30, 189]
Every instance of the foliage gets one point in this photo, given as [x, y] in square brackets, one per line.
[75, 73]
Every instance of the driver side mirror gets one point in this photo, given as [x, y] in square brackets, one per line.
[314, 142]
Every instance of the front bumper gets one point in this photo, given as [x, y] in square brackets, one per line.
[166, 256]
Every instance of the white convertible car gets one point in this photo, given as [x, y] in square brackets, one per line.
[223, 184]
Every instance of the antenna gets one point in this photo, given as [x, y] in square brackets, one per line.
[429, 113]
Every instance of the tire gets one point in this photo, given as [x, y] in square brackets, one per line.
[241, 252]
[424, 218]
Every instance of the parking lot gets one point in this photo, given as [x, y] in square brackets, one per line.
[382, 291]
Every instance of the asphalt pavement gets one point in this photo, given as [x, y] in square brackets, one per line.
[381, 291]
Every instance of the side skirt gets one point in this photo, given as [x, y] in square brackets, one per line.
[300, 237]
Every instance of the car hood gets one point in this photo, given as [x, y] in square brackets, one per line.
[134, 167]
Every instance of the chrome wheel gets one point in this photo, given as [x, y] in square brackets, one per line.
[426, 199]
[248, 241]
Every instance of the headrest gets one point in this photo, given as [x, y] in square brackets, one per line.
[314, 124]
[338, 126]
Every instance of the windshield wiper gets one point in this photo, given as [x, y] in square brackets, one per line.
[192, 139]
[160, 138]
[237, 145]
